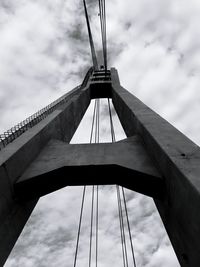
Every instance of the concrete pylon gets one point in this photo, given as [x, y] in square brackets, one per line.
[156, 160]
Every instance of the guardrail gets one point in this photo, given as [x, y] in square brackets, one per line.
[17, 130]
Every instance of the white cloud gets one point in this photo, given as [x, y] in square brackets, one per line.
[44, 52]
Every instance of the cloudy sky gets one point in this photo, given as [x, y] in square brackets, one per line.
[44, 53]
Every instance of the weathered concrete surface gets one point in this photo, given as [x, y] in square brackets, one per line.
[175, 157]
[178, 160]
[15, 158]
[60, 164]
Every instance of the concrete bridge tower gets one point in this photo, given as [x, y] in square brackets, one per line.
[156, 160]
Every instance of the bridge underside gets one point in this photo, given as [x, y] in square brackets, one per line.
[156, 160]
[59, 164]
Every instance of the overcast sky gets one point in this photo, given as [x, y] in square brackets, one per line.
[44, 53]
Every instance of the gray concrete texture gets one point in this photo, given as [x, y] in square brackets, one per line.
[60, 164]
[178, 160]
[16, 157]
[156, 155]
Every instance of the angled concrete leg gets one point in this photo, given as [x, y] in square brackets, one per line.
[156, 160]
[15, 158]
[178, 160]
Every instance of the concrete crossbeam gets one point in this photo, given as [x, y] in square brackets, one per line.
[157, 160]
[59, 164]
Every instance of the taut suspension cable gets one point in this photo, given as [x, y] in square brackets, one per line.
[122, 227]
[111, 122]
[79, 226]
[97, 221]
[121, 198]
[91, 227]
[97, 121]
[129, 229]
[102, 14]
[120, 210]
[95, 130]
[94, 137]
[94, 58]
[121, 232]
[121, 202]
[93, 120]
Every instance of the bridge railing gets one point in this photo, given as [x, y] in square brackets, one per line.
[14, 132]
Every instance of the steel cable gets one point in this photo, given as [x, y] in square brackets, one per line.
[93, 53]
[122, 226]
[129, 229]
[94, 133]
[79, 227]
[121, 233]
[93, 120]
[102, 13]
[91, 227]
[97, 221]
[111, 122]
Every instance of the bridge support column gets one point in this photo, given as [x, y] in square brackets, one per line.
[178, 160]
[16, 157]
[158, 161]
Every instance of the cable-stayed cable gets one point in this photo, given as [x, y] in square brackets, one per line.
[94, 57]
[111, 122]
[91, 227]
[94, 136]
[93, 121]
[129, 229]
[102, 14]
[79, 226]
[97, 221]
[121, 232]
[95, 129]
[122, 226]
